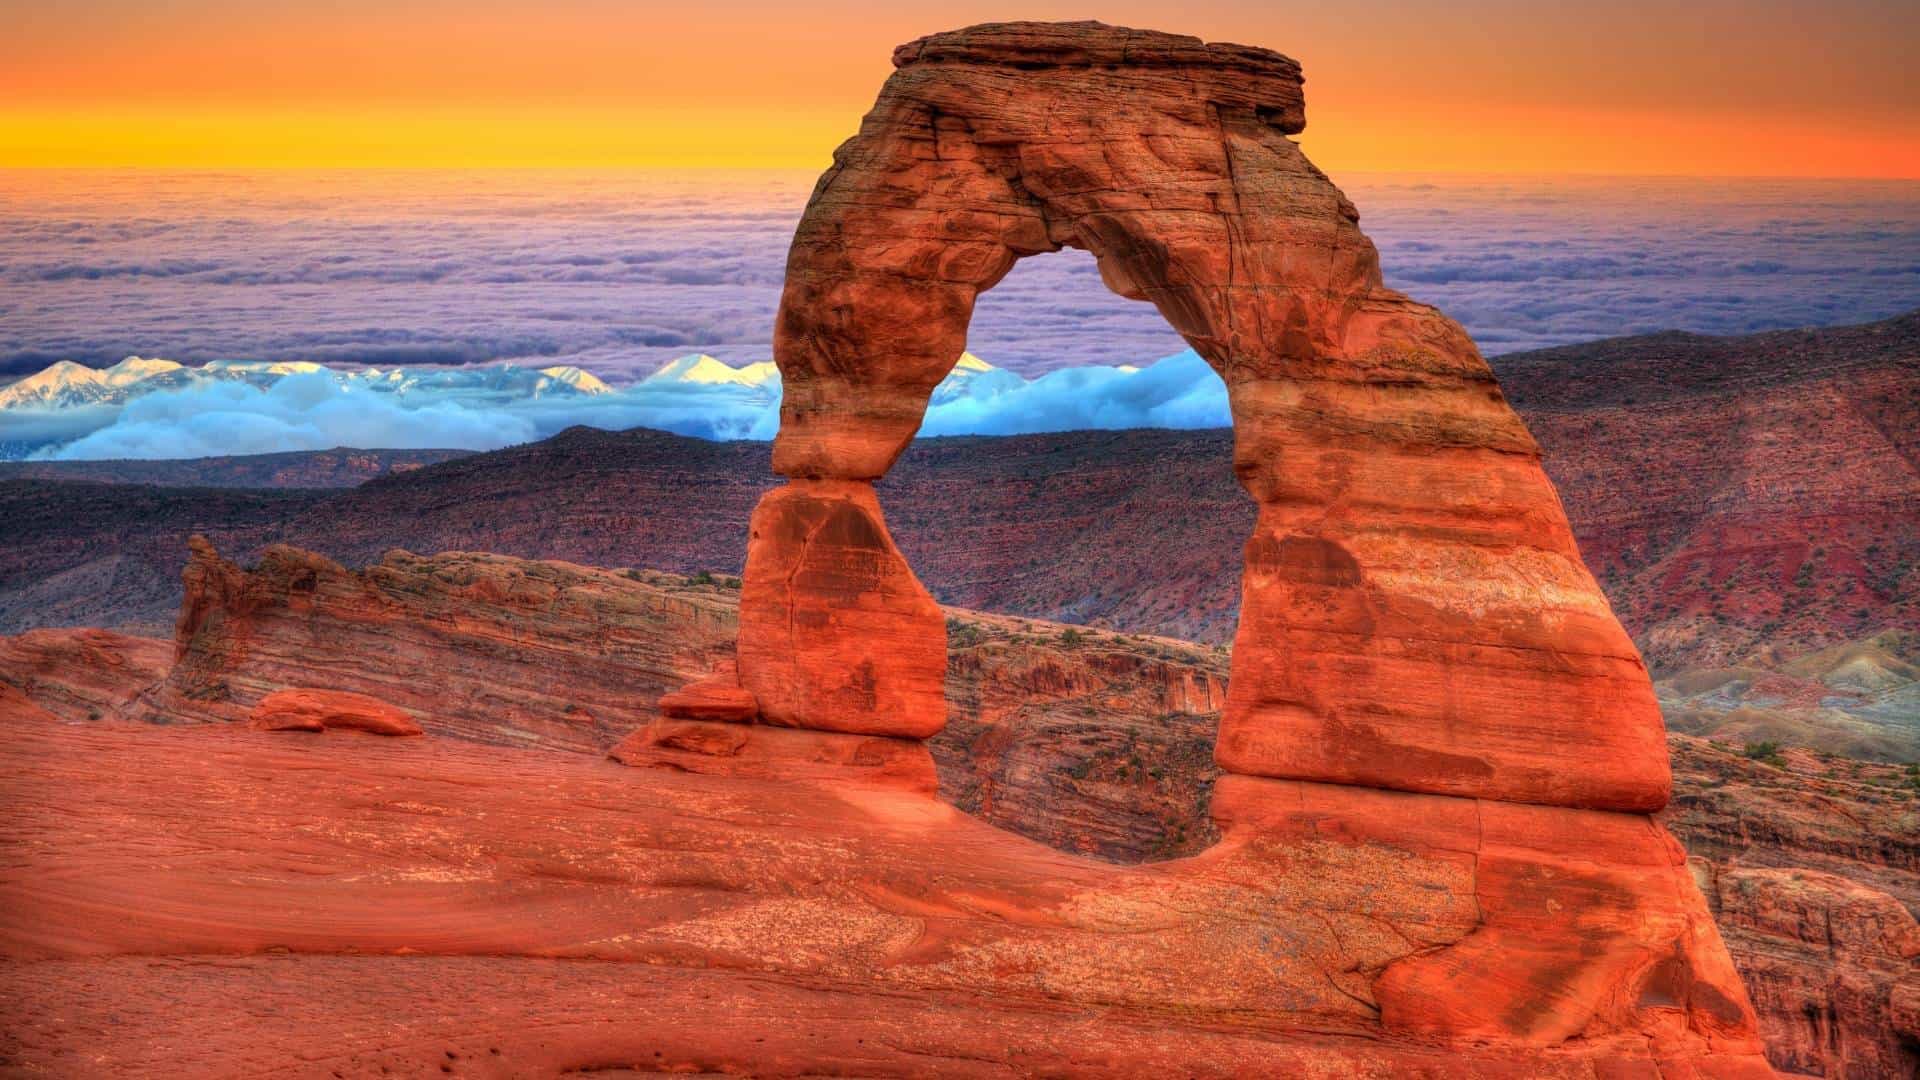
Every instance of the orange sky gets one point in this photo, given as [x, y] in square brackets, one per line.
[1676, 87]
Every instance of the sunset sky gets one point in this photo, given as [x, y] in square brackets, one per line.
[1498, 86]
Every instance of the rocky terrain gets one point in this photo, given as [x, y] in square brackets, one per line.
[1435, 759]
[1739, 497]
[338, 468]
[1088, 741]
[1789, 440]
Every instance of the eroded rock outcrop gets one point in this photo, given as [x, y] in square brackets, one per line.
[80, 673]
[1415, 615]
[478, 646]
[323, 710]
[843, 637]
[1101, 743]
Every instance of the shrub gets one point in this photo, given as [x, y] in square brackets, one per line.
[1766, 752]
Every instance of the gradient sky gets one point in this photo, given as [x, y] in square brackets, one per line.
[1759, 88]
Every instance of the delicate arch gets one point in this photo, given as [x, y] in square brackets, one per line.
[1414, 614]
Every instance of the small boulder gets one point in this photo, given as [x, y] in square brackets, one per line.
[719, 698]
[317, 710]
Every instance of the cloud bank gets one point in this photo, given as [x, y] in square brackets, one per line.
[620, 272]
[485, 409]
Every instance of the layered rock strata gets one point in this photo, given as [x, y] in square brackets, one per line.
[1095, 743]
[481, 647]
[1415, 615]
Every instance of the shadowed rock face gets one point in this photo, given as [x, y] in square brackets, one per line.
[1415, 615]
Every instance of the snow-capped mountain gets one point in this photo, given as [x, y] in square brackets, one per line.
[701, 369]
[65, 385]
[971, 378]
[159, 409]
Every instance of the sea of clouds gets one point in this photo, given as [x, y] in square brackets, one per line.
[323, 410]
[620, 272]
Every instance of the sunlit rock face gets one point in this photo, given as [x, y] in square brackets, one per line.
[1423, 663]
[1415, 613]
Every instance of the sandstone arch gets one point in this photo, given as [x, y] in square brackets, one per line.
[1415, 615]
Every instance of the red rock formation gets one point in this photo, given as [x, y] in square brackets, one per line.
[319, 710]
[719, 697]
[1415, 615]
[1101, 744]
[836, 633]
[477, 646]
[1811, 866]
[1829, 962]
[81, 674]
[761, 752]
[740, 926]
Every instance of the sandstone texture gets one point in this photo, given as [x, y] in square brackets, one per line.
[1101, 744]
[81, 674]
[837, 633]
[717, 697]
[562, 913]
[477, 646]
[1434, 854]
[1414, 613]
[321, 710]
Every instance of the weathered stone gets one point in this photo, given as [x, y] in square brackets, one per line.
[836, 634]
[717, 697]
[1415, 614]
[320, 710]
[762, 752]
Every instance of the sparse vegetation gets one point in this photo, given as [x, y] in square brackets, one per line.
[1766, 752]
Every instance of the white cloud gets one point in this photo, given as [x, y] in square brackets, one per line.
[487, 408]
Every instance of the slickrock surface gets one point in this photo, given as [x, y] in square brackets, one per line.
[1415, 615]
[447, 896]
[1101, 744]
[323, 710]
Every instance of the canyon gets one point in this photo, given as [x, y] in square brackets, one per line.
[1136, 531]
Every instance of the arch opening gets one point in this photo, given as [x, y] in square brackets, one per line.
[1414, 615]
[1084, 688]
